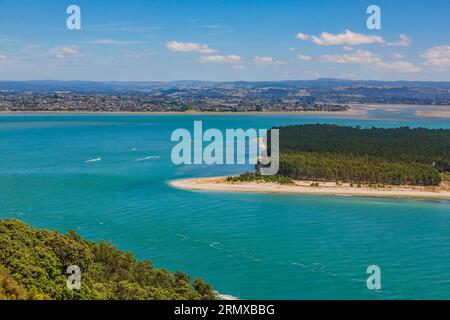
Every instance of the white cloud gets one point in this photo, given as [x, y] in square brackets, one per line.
[350, 38]
[403, 42]
[69, 50]
[304, 57]
[231, 59]
[347, 37]
[401, 66]
[266, 61]
[62, 52]
[112, 42]
[189, 47]
[291, 49]
[371, 59]
[397, 55]
[347, 48]
[302, 36]
[3, 57]
[360, 57]
[437, 57]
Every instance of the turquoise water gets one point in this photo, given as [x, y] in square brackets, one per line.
[247, 245]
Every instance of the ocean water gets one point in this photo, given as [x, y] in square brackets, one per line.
[252, 246]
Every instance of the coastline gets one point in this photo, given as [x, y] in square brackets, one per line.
[226, 297]
[347, 112]
[304, 187]
[434, 113]
[355, 111]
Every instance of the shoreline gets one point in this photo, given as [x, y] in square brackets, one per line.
[303, 187]
[356, 111]
[349, 111]
[226, 297]
[445, 114]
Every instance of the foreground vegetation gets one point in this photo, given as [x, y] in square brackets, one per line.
[33, 265]
[400, 156]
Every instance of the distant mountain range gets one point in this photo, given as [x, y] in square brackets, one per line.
[151, 86]
[299, 95]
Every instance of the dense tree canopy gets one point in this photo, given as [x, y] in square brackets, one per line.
[336, 167]
[33, 265]
[393, 156]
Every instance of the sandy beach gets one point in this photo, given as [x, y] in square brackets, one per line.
[434, 113]
[304, 187]
[355, 111]
[350, 112]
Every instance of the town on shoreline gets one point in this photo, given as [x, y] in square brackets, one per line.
[321, 95]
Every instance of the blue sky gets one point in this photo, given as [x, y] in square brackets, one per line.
[224, 40]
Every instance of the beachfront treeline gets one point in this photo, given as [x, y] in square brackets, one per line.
[323, 152]
[33, 266]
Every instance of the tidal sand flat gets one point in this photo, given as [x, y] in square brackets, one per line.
[434, 113]
[305, 187]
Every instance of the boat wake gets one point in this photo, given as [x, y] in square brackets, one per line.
[147, 158]
[93, 160]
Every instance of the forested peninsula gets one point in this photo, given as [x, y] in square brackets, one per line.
[395, 156]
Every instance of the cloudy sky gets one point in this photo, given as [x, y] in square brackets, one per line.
[224, 40]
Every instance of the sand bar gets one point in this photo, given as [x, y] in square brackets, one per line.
[304, 187]
[434, 113]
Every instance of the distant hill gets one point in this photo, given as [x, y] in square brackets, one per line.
[143, 86]
[293, 95]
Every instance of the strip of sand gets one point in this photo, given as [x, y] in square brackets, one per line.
[350, 111]
[434, 113]
[304, 187]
